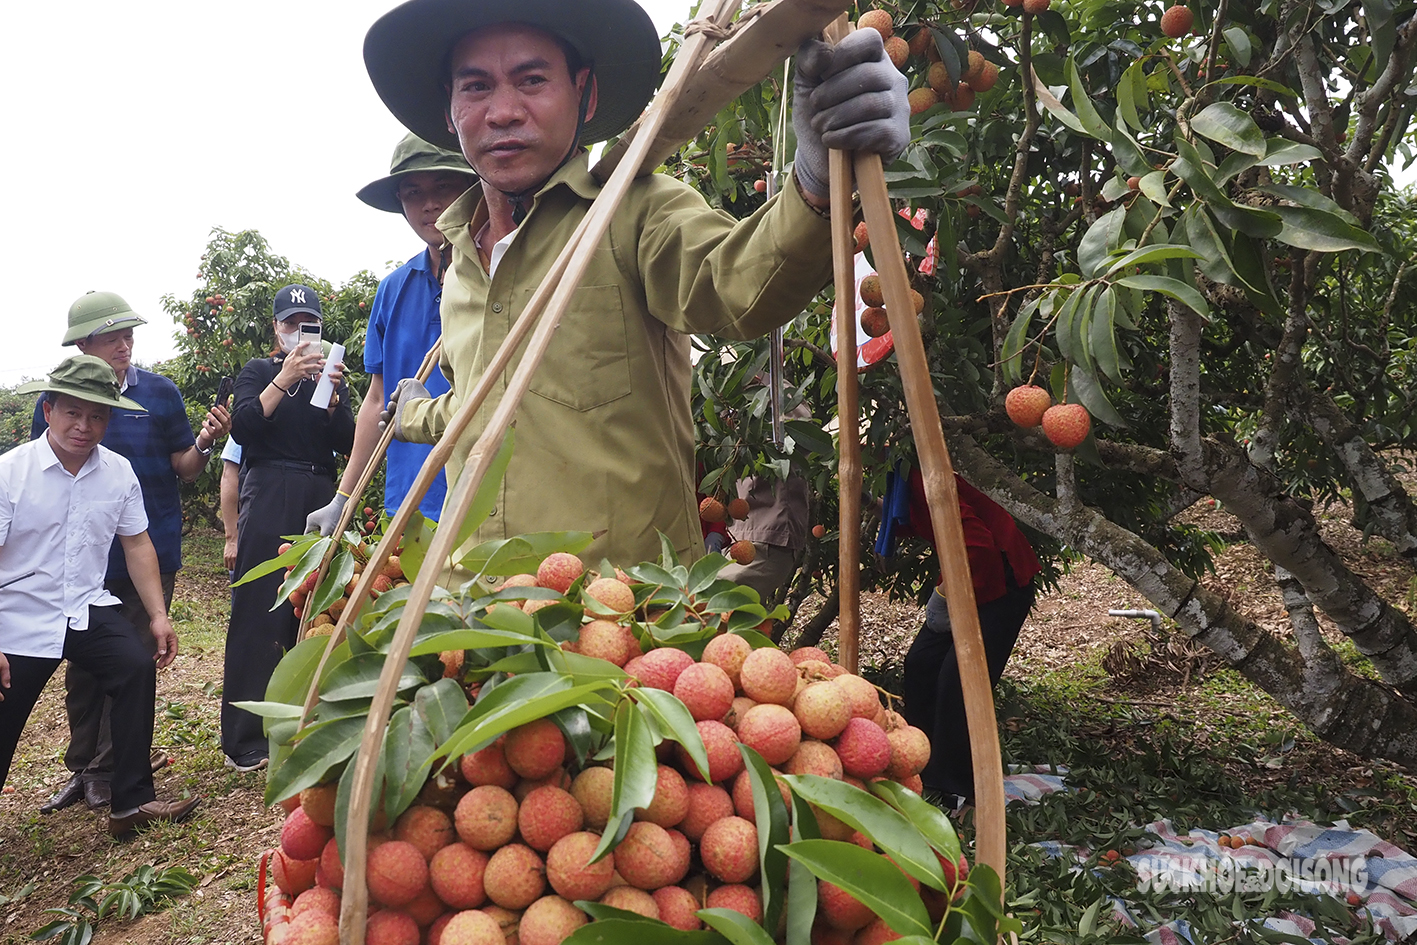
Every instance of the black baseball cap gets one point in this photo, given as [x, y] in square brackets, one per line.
[294, 299]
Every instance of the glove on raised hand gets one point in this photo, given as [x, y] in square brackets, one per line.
[848, 96]
[325, 518]
[408, 390]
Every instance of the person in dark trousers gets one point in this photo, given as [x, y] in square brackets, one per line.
[1002, 567]
[288, 448]
[423, 180]
[157, 441]
[64, 499]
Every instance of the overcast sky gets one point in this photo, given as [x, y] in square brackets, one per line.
[136, 128]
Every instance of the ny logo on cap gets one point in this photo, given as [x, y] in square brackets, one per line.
[297, 296]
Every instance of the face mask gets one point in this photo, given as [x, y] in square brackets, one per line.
[289, 340]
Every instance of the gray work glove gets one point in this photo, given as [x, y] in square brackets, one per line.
[849, 97]
[325, 519]
[408, 390]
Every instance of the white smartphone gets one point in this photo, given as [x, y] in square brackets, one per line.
[310, 334]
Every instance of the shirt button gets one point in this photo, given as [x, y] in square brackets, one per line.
[493, 511]
[496, 306]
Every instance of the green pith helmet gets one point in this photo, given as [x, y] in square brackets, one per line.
[96, 312]
[87, 378]
[406, 52]
[412, 155]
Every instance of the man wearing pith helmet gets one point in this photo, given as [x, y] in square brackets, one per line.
[64, 498]
[423, 180]
[157, 441]
[604, 439]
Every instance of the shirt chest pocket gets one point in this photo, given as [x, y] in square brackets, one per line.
[587, 364]
[100, 521]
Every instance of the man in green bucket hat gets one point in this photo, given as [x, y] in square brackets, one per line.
[604, 440]
[158, 442]
[423, 180]
[63, 500]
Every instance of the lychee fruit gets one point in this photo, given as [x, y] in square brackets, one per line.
[898, 51]
[772, 731]
[678, 908]
[722, 747]
[471, 928]
[570, 871]
[558, 571]
[804, 654]
[863, 748]
[768, 675]
[1026, 403]
[331, 866]
[727, 651]
[814, 757]
[871, 290]
[318, 802]
[742, 551]
[840, 909]
[1177, 21]
[865, 700]
[735, 713]
[301, 838]
[862, 235]
[455, 874]
[974, 67]
[910, 752]
[557, 778]
[486, 817]
[632, 900]
[605, 640]
[729, 849]
[987, 79]
[921, 100]
[878, 20]
[292, 876]
[706, 691]
[739, 898]
[427, 828]
[707, 803]
[876, 932]
[660, 667]
[515, 876]
[822, 709]
[612, 593]
[549, 921]
[594, 789]
[535, 749]
[547, 815]
[318, 899]
[391, 927]
[397, 873]
[506, 919]
[938, 78]
[671, 799]
[1066, 425]
[312, 928]
[1035, 6]
[712, 511]
[874, 320]
[648, 857]
[737, 508]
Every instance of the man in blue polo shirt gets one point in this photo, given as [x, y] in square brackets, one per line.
[158, 442]
[423, 181]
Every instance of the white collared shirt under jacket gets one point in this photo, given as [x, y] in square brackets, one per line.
[59, 526]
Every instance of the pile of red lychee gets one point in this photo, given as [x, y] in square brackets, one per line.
[497, 850]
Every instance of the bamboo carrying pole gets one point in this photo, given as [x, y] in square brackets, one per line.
[430, 361]
[943, 500]
[592, 230]
[848, 414]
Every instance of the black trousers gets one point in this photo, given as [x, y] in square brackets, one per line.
[274, 503]
[122, 667]
[90, 750]
[934, 700]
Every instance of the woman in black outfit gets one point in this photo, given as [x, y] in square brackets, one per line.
[289, 449]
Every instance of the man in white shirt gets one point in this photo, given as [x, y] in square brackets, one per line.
[63, 499]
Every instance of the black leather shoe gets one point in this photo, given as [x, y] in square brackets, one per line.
[68, 795]
[152, 812]
[97, 794]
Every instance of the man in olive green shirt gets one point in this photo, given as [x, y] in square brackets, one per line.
[604, 440]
